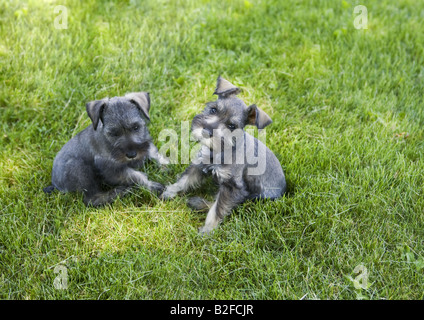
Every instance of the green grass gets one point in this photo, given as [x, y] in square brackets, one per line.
[347, 107]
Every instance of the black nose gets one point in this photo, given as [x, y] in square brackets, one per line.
[131, 154]
[206, 132]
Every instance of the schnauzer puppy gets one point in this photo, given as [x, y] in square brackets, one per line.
[101, 161]
[241, 164]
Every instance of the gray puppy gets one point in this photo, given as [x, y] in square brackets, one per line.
[101, 161]
[241, 164]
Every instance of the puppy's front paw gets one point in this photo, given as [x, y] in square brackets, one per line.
[205, 230]
[156, 187]
[164, 168]
[168, 194]
[163, 161]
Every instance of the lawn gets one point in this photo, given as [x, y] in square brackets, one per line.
[348, 118]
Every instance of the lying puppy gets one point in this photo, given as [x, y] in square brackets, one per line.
[101, 161]
[242, 165]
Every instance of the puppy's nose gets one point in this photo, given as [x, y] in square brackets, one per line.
[206, 132]
[131, 154]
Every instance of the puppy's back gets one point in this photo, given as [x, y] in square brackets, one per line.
[263, 173]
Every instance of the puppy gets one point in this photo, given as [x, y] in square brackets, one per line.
[242, 165]
[101, 161]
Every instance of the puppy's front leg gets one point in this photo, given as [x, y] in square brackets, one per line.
[140, 178]
[192, 177]
[227, 199]
[155, 155]
[212, 219]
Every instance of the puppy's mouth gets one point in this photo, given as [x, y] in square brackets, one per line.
[205, 138]
[125, 157]
[131, 155]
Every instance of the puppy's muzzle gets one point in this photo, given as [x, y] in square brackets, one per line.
[207, 133]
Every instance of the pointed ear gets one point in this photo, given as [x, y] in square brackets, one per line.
[95, 111]
[224, 88]
[257, 117]
[141, 100]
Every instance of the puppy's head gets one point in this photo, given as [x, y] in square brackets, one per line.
[122, 121]
[224, 119]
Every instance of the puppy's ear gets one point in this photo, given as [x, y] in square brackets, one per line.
[225, 89]
[95, 111]
[257, 117]
[141, 100]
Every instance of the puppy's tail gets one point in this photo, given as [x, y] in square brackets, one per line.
[49, 189]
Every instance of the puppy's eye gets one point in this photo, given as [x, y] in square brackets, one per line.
[213, 111]
[231, 126]
[136, 128]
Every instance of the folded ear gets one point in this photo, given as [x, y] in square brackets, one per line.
[257, 117]
[141, 100]
[224, 88]
[95, 111]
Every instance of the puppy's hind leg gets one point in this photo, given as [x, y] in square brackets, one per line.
[100, 198]
[49, 189]
[212, 219]
[199, 204]
[228, 198]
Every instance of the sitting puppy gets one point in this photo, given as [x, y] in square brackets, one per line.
[101, 161]
[242, 165]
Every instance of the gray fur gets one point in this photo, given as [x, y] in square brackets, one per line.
[221, 123]
[199, 204]
[102, 160]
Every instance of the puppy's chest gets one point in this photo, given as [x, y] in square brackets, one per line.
[107, 166]
[213, 164]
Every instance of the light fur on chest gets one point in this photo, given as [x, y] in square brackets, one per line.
[222, 173]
